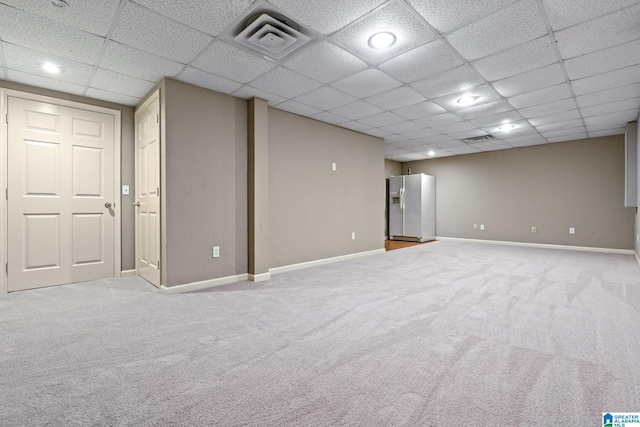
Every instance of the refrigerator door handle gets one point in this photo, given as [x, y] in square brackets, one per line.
[402, 199]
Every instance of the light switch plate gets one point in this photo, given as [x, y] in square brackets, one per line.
[125, 190]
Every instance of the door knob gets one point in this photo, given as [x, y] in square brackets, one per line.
[137, 204]
[107, 205]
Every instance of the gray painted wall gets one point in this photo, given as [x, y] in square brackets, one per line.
[312, 209]
[206, 184]
[552, 187]
[392, 168]
[127, 153]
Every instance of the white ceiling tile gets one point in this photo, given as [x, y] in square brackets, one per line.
[609, 95]
[511, 26]
[366, 83]
[440, 119]
[464, 149]
[30, 61]
[604, 81]
[327, 117]
[357, 110]
[455, 127]
[284, 82]
[421, 62]
[611, 107]
[610, 132]
[297, 108]
[119, 83]
[449, 143]
[614, 119]
[540, 78]
[497, 119]
[605, 60]
[325, 62]
[549, 108]
[454, 80]
[357, 126]
[503, 130]
[377, 132]
[248, 92]
[525, 57]
[382, 119]
[325, 98]
[327, 16]
[396, 98]
[208, 16]
[200, 78]
[424, 135]
[146, 30]
[563, 13]
[95, 19]
[118, 98]
[490, 145]
[539, 141]
[606, 126]
[447, 15]
[232, 63]
[136, 63]
[485, 94]
[524, 140]
[574, 137]
[403, 127]
[555, 118]
[418, 111]
[394, 17]
[44, 82]
[484, 110]
[31, 31]
[396, 141]
[569, 124]
[564, 132]
[597, 34]
[548, 94]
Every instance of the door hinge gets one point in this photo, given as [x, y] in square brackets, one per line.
[7, 117]
[157, 118]
[6, 194]
[158, 264]
[6, 268]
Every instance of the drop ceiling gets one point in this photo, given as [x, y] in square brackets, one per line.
[554, 70]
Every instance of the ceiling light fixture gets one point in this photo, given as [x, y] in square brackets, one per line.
[60, 3]
[382, 40]
[506, 128]
[51, 68]
[468, 100]
[431, 153]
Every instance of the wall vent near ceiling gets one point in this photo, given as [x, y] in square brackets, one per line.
[487, 137]
[267, 32]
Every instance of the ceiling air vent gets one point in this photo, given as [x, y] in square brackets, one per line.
[480, 138]
[265, 31]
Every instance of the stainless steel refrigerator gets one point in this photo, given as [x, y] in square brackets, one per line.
[412, 207]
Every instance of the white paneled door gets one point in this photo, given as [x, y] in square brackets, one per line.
[61, 204]
[148, 190]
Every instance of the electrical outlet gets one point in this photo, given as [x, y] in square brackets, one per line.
[572, 230]
[475, 226]
[125, 190]
[534, 230]
[353, 235]
[481, 227]
[216, 251]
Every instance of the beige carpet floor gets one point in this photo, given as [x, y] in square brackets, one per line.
[448, 333]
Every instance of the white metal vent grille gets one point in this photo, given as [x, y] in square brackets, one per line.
[487, 137]
[265, 31]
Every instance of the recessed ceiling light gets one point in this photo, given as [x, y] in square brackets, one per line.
[51, 68]
[382, 40]
[60, 3]
[506, 128]
[467, 100]
[431, 153]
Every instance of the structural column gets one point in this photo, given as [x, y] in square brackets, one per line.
[258, 191]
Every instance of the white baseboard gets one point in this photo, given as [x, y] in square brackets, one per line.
[302, 265]
[260, 277]
[543, 245]
[125, 273]
[205, 284]
[637, 258]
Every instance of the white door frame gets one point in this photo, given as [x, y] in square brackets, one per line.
[4, 162]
